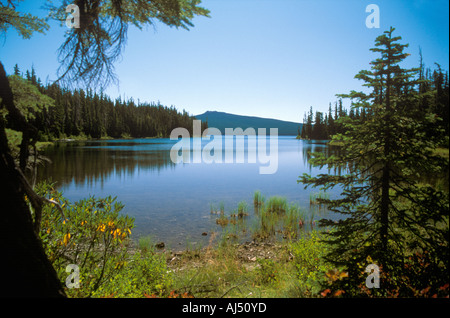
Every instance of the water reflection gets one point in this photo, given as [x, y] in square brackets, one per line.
[94, 162]
[170, 201]
[321, 146]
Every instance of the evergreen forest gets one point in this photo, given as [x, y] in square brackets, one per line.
[432, 83]
[59, 113]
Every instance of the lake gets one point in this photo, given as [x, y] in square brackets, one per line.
[172, 201]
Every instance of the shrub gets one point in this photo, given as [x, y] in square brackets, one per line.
[267, 272]
[95, 237]
[311, 268]
[144, 273]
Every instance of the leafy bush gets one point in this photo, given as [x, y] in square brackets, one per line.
[95, 237]
[308, 254]
[267, 272]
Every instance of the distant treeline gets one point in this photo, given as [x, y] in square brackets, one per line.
[432, 85]
[61, 113]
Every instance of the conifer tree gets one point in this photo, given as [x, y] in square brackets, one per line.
[390, 214]
[16, 70]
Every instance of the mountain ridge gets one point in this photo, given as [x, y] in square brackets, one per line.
[222, 120]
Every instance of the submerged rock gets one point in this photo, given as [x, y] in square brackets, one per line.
[160, 245]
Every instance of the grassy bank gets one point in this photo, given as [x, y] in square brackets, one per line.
[251, 269]
[283, 256]
[92, 234]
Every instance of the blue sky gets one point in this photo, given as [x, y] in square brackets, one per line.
[267, 58]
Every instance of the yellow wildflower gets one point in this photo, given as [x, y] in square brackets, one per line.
[66, 238]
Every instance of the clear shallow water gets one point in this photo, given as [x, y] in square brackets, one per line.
[172, 202]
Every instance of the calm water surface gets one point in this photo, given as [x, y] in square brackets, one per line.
[172, 202]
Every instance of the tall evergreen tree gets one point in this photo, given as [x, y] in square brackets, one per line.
[390, 213]
[16, 70]
[330, 124]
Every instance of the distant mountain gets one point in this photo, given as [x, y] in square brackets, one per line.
[221, 120]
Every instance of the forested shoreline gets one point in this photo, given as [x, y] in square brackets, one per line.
[433, 84]
[60, 113]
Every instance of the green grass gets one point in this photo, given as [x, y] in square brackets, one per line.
[276, 204]
[277, 219]
[293, 222]
[242, 209]
[258, 199]
[146, 244]
[223, 272]
[286, 269]
[265, 225]
[215, 210]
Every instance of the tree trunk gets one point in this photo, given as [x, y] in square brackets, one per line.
[385, 181]
[25, 268]
[384, 219]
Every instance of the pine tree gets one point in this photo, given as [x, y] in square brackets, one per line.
[16, 70]
[390, 213]
[309, 123]
[303, 133]
[330, 124]
[319, 128]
